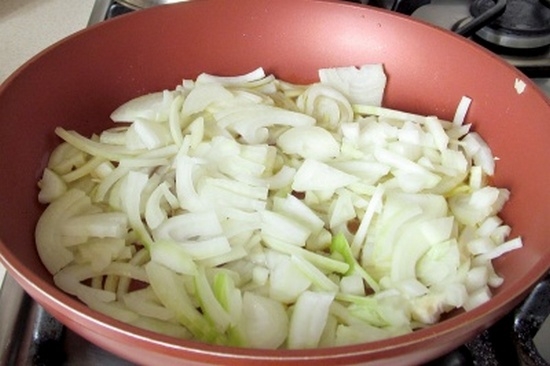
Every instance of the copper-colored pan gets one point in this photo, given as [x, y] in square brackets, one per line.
[78, 82]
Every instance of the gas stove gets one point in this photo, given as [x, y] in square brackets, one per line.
[518, 31]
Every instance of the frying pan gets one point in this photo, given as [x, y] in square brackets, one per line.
[80, 80]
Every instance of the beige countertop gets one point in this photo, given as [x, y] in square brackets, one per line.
[29, 26]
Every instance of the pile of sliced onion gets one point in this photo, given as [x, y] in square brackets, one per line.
[249, 211]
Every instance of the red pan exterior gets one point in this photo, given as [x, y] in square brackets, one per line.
[79, 81]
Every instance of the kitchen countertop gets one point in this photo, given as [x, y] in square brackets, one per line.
[29, 26]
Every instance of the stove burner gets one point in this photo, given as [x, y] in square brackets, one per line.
[525, 24]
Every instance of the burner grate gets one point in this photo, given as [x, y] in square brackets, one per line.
[525, 24]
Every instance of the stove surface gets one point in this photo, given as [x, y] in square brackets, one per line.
[532, 58]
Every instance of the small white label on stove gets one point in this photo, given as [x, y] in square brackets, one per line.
[520, 86]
